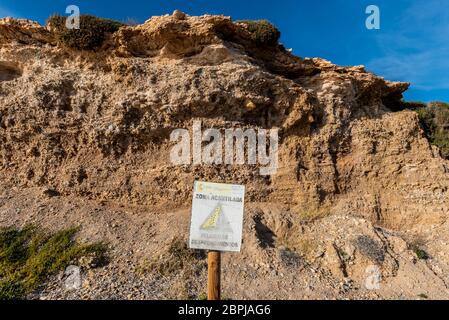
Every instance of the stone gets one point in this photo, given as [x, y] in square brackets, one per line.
[179, 15]
[249, 105]
[72, 278]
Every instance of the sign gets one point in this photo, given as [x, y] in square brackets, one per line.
[217, 217]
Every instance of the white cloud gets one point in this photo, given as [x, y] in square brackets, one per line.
[417, 50]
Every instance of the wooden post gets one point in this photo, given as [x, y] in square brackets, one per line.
[213, 275]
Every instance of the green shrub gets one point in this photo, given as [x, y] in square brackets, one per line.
[439, 104]
[426, 120]
[434, 120]
[29, 255]
[262, 32]
[412, 105]
[90, 35]
[421, 254]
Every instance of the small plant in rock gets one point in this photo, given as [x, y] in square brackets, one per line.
[416, 245]
[421, 254]
[370, 248]
[290, 258]
[313, 214]
[178, 257]
[91, 34]
[180, 263]
[202, 296]
[29, 255]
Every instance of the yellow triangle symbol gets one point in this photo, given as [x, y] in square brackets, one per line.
[211, 222]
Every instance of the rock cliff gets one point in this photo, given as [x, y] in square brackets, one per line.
[357, 179]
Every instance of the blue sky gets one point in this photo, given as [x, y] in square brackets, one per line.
[412, 44]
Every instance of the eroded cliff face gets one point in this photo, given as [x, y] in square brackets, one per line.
[97, 124]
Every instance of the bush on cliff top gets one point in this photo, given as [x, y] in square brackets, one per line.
[262, 31]
[434, 119]
[90, 35]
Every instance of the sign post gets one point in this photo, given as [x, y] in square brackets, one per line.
[216, 225]
[214, 275]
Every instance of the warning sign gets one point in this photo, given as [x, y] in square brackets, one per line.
[217, 216]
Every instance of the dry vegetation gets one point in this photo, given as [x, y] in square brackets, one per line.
[29, 255]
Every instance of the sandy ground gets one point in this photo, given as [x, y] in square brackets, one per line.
[139, 235]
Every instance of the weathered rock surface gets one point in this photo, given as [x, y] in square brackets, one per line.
[96, 126]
